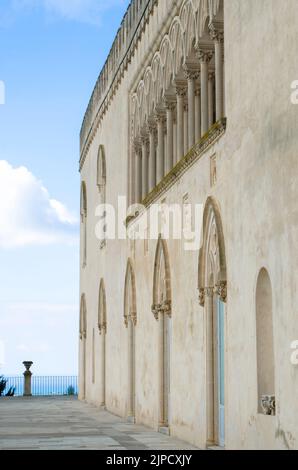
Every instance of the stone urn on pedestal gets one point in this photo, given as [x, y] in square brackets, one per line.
[27, 378]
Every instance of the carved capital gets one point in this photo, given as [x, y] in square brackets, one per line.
[216, 32]
[170, 104]
[268, 405]
[205, 56]
[191, 72]
[151, 125]
[221, 290]
[202, 297]
[156, 310]
[145, 135]
[162, 309]
[180, 88]
[137, 145]
[166, 308]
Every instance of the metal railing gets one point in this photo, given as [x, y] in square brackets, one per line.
[45, 386]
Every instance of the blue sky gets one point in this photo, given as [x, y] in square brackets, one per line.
[51, 52]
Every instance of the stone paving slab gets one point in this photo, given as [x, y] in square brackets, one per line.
[66, 423]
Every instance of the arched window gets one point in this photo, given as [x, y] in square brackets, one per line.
[162, 302]
[162, 310]
[101, 169]
[130, 313]
[213, 297]
[265, 345]
[83, 319]
[101, 184]
[130, 320]
[84, 224]
[102, 327]
[102, 320]
[83, 334]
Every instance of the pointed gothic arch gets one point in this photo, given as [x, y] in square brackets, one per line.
[101, 168]
[162, 310]
[130, 307]
[162, 293]
[102, 315]
[212, 256]
[130, 321]
[102, 328]
[213, 297]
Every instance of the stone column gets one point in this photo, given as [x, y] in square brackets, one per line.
[144, 166]
[204, 57]
[175, 140]
[210, 99]
[185, 130]
[180, 92]
[198, 114]
[218, 37]
[138, 172]
[170, 106]
[160, 118]
[27, 379]
[152, 155]
[192, 75]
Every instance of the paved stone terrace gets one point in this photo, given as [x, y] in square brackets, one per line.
[65, 423]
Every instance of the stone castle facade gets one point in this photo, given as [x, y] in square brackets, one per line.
[194, 336]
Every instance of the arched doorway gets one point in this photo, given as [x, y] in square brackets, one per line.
[213, 297]
[83, 334]
[130, 320]
[162, 310]
[102, 327]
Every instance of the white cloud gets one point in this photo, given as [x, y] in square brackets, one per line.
[27, 213]
[86, 11]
